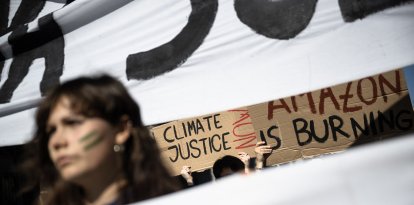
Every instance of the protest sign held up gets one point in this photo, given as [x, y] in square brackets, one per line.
[302, 126]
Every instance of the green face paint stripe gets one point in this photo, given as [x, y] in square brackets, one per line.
[87, 136]
[93, 143]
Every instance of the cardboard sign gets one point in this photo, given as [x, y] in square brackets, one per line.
[198, 142]
[324, 121]
[334, 118]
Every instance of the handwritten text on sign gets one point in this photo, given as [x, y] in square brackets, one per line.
[198, 142]
[333, 118]
[310, 124]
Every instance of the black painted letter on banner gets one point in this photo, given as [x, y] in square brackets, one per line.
[282, 19]
[358, 9]
[165, 58]
[43, 47]
[27, 12]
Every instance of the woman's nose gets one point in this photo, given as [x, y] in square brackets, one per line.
[59, 140]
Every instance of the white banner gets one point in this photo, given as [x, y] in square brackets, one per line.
[188, 58]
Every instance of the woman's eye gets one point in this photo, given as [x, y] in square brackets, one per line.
[73, 122]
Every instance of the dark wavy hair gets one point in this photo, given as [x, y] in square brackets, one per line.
[106, 98]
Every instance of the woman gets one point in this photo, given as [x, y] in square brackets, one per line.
[90, 146]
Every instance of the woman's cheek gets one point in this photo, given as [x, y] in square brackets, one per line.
[90, 140]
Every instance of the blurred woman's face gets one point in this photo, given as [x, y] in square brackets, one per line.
[80, 148]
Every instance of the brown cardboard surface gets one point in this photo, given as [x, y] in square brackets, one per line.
[319, 122]
[369, 109]
[206, 138]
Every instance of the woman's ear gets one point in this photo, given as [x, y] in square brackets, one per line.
[125, 129]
